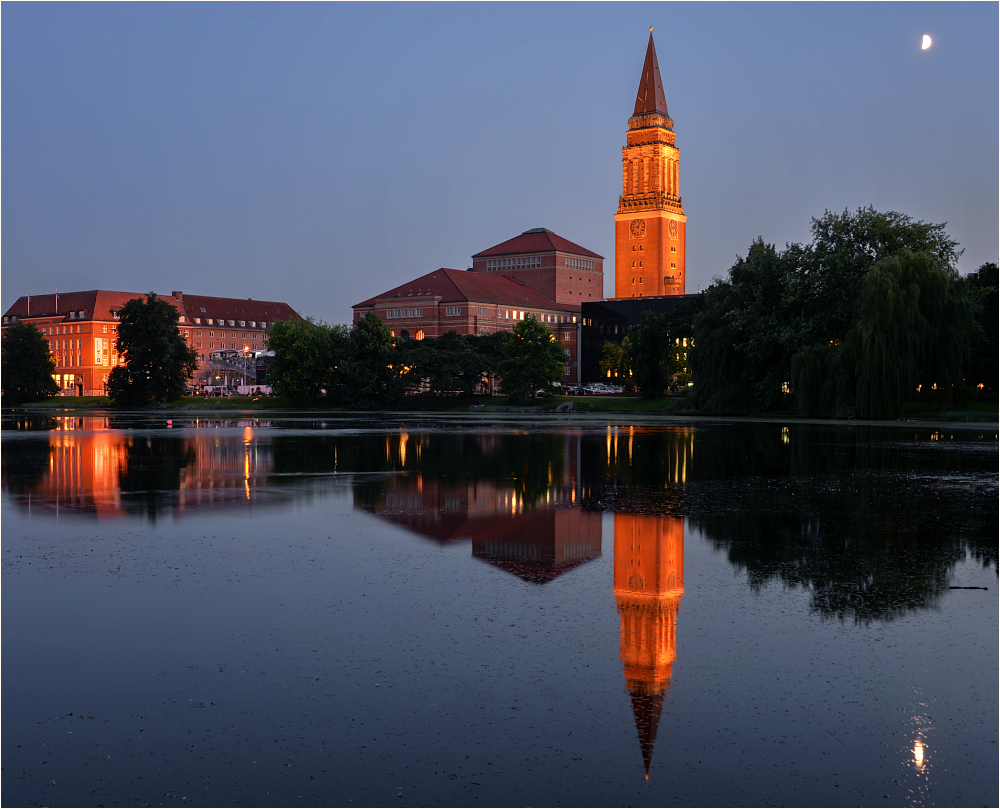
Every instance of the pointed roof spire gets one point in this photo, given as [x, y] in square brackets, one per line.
[647, 708]
[650, 97]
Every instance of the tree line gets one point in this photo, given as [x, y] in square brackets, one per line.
[869, 314]
[367, 368]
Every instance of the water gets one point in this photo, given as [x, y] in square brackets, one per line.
[293, 611]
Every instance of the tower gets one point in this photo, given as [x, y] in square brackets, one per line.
[650, 223]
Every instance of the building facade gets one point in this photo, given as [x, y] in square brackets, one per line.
[81, 329]
[650, 225]
[470, 302]
[551, 264]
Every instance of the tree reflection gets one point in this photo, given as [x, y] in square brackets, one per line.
[25, 463]
[872, 522]
[150, 472]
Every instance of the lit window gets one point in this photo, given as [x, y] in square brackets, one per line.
[419, 335]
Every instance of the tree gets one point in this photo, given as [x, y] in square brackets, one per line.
[982, 366]
[303, 358]
[27, 365]
[783, 318]
[911, 331]
[649, 355]
[377, 373]
[532, 361]
[155, 361]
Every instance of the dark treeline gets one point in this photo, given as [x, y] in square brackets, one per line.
[367, 368]
[860, 320]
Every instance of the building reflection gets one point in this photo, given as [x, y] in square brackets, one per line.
[536, 541]
[88, 467]
[649, 583]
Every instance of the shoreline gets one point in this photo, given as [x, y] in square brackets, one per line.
[498, 413]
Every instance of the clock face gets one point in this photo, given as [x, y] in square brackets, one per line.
[672, 229]
[637, 228]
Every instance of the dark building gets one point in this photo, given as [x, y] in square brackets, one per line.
[609, 322]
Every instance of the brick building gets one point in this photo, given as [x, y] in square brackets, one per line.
[551, 264]
[536, 274]
[81, 329]
[473, 303]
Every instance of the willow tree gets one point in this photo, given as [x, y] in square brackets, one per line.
[911, 330]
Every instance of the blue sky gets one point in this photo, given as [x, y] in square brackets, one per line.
[322, 153]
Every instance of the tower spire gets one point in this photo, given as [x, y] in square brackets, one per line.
[650, 97]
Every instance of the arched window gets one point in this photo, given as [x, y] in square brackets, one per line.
[419, 335]
[404, 334]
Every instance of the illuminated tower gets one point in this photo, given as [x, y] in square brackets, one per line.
[650, 223]
[649, 583]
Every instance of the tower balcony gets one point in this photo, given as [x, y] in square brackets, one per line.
[658, 201]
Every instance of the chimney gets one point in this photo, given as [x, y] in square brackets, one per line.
[178, 296]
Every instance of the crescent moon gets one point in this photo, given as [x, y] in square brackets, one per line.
[925, 43]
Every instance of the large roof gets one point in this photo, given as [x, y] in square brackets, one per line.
[99, 304]
[236, 308]
[650, 97]
[462, 285]
[96, 304]
[537, 240]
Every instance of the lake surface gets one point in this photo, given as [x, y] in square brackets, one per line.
[459, 611]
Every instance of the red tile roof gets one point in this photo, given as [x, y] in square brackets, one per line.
[235, 308]
[98, 304]
[537, 240]
[462, 285]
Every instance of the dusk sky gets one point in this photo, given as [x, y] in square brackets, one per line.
[320, 154]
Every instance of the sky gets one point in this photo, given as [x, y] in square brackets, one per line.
[320, 154]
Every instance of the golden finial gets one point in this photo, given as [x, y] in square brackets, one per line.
[651, 29]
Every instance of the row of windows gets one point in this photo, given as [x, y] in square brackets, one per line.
[667, 279]
[580, 263]
[253, 324]
[513, 263]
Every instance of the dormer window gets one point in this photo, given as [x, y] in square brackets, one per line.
[253, 324]
[114, 315]
[210, 322]
[243, 323]
[72, 315]
[197, 320]
[203, 309]
[263, 324]
[181, 319]
[232, 322]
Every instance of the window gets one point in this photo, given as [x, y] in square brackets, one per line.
[203, 309]
[105, 328]
[197, 320]
[243, 324]
[481, 311]
[210, 321]
[397, 313]
[452, 311]
[263, 325]
[253, 324]
[211, 334]
[419, 335]
[180, 319]
[232, 322]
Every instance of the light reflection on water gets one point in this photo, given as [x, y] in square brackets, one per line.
[496, 527]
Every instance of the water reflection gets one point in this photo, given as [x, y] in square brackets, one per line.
[648, 585]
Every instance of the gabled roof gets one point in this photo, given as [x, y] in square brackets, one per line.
[236, 308]
[536, 240]
[99, 304]
[650, 97]
[461, 285]
[96, 304]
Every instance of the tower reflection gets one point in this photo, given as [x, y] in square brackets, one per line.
[649, 583]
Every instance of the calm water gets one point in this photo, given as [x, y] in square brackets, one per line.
[289, 612]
